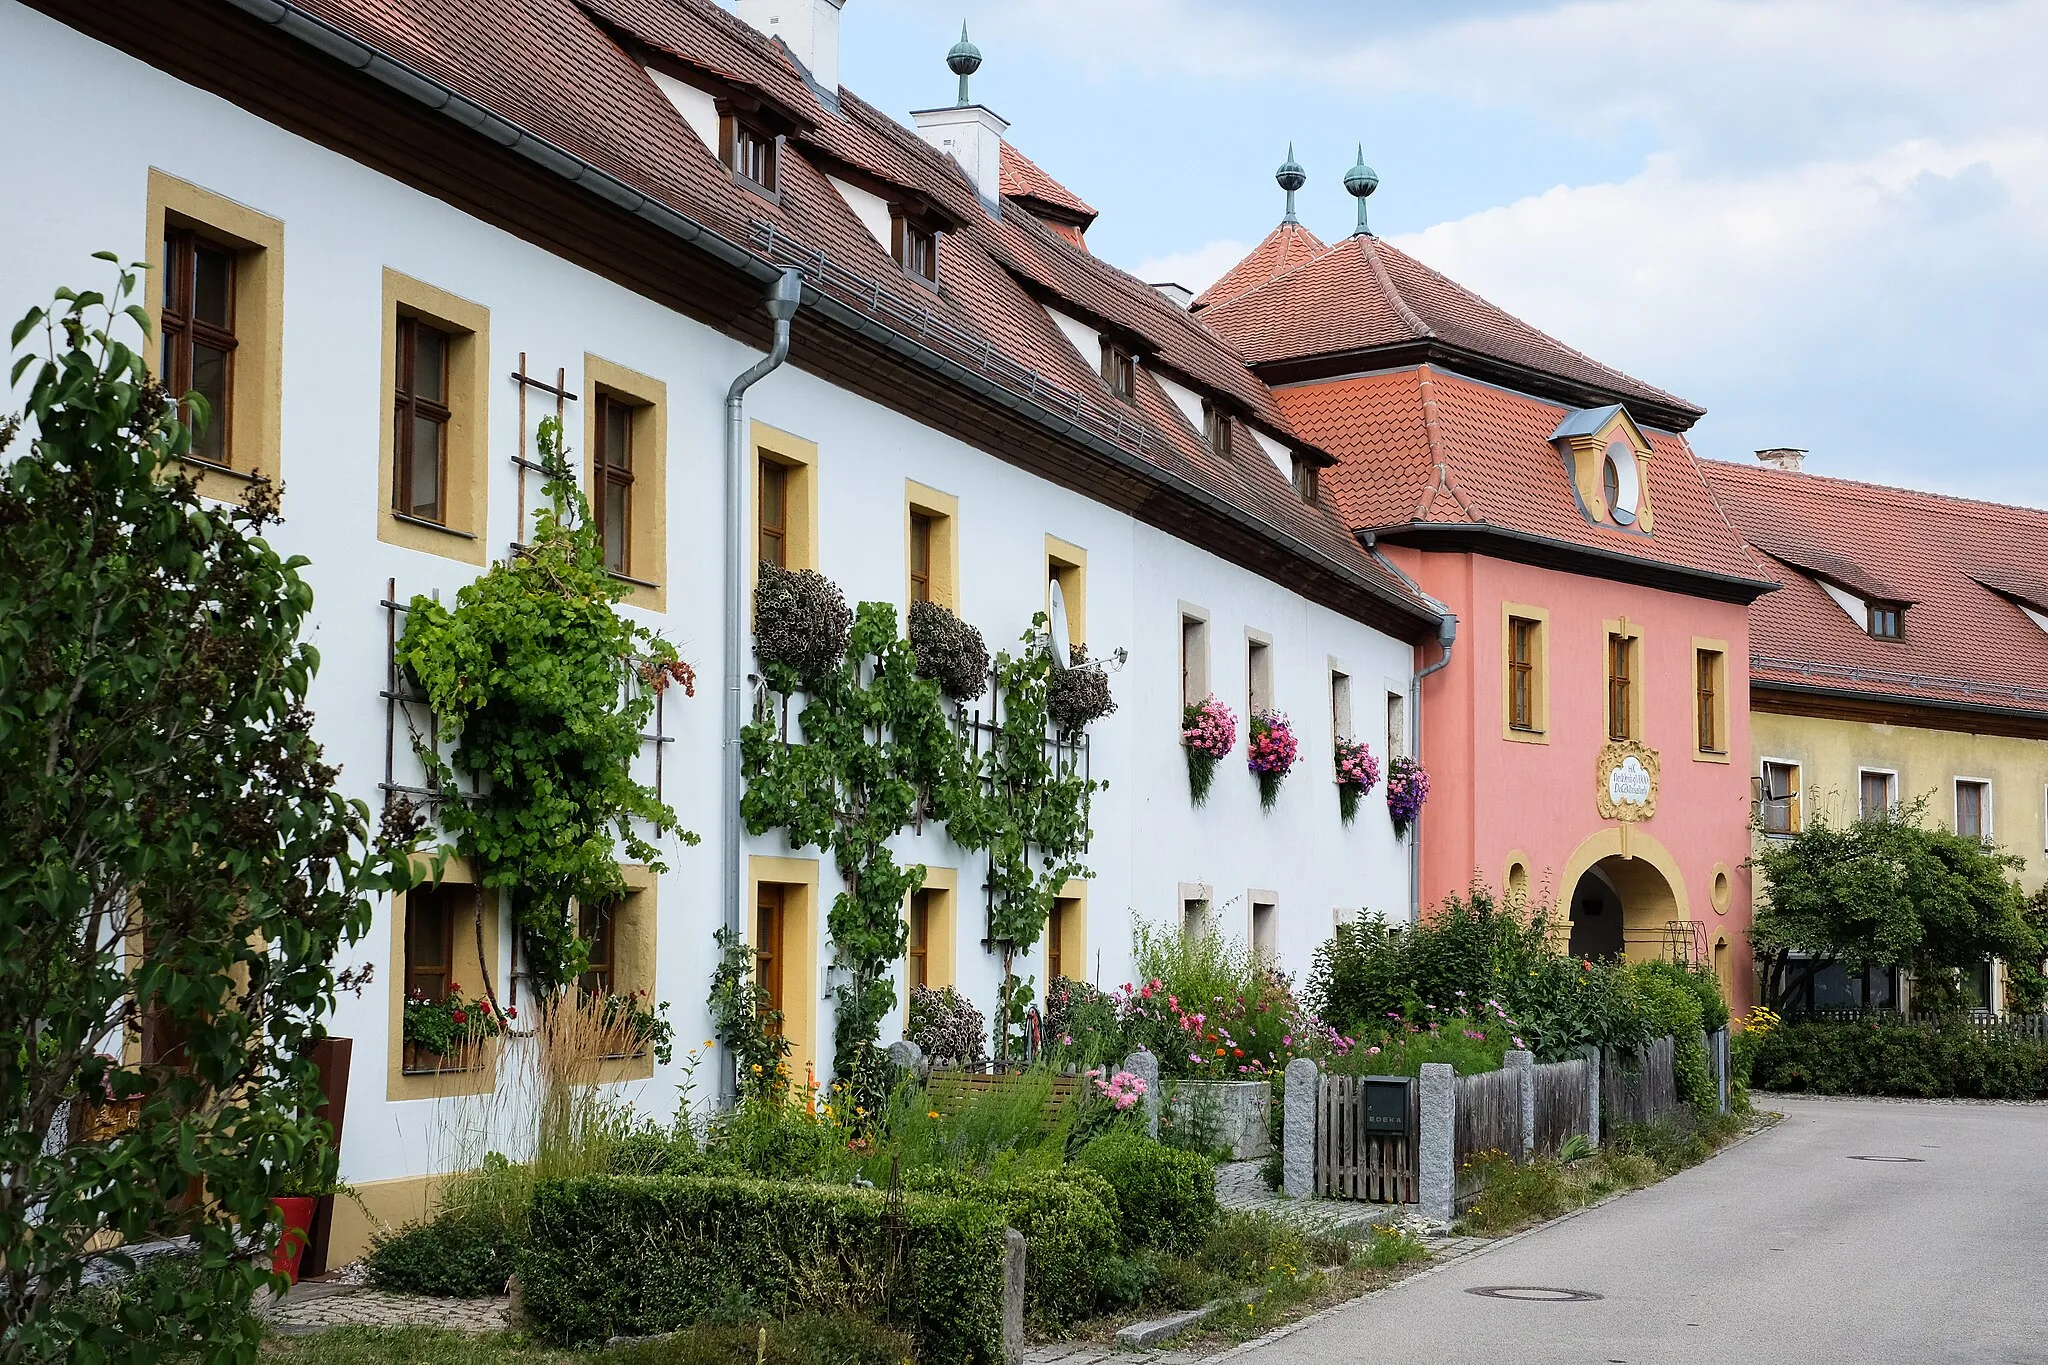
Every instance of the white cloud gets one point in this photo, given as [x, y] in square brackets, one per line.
[1197, 269]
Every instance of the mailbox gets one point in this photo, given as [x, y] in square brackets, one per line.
[1386, 1102]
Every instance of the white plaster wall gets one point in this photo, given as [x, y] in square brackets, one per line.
[697, 107]
[871, 209]
[344, 224]
[1086, 341]
[1186, 399]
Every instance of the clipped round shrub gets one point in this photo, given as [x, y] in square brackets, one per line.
[949, 651]
[801, 621]
[1068, 1219]
[458, 1255]
[1165, 1198]
[1076, 696]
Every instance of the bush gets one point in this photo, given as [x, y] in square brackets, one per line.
[614, 1255]
[1081, 1025]
[1075, 696]
[801, 621]
[811, 1339]
[457, 1255]
[1165, 1198]
[998, 1131]
[1894, 1057]
[775, 1136]
[1069, 1221]
[945, 1024]
[1672, 1004]
[949, 651]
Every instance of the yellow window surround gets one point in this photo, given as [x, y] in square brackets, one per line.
[467, 969]
[941, 927]
[1067, 565]
[942, 514]
[1538, 730]
[635, 920]
[646, 570]
[799, 459]
[1625, 629]
[1723, 713]
[802, 986]
[256, 390]
[1069, 930]
[461, 533]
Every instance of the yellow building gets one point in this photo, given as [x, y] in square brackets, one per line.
[1904, 656]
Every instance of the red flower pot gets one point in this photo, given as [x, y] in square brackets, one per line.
[295, 1211]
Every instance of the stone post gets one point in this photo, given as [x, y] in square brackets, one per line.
[1717, 1048]
[1298, 1133]
[1437, 1158]
[907, 1058]
[1145, 1067]
[1013, 1296]
[1524, 1064]
[1592, 1056]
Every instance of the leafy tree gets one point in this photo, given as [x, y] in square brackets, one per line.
[178, 872]
[1892, 891]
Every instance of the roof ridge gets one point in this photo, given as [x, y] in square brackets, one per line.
[1438, 457]
[1400, 304]
[1888, 489]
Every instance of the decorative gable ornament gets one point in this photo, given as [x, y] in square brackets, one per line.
[1607, 459]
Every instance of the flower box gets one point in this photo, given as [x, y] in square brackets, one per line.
[420, 1060]
[1225, 1114]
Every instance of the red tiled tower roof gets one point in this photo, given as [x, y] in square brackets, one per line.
[1967, 568]
[1285, 249]
[1364, 295]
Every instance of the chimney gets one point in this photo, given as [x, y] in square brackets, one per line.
[972, 134]
[1787, 458]
[1179, 295]
[808, 28]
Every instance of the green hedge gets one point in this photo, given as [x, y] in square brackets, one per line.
[809, 1340]
[1069, 1221]
[634, 1256]
[1165, 1198]
[457, 1255]
[1893, 1057]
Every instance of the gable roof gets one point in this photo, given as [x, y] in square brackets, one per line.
[1286, 248]
[1424, 451]
[1963, 641]
[1023, 180]
[553, 81]
[1331, 313]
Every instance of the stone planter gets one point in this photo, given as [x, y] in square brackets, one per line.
[1224, 1114]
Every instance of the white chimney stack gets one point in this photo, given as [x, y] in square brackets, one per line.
[1790, 460]
[808, 28]
[973, 136]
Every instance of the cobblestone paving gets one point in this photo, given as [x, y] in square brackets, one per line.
[1239, 1186]
[312, 1308]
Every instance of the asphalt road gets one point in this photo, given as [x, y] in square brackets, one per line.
[1783, 1248]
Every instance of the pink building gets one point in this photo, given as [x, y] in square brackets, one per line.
[1587, 737]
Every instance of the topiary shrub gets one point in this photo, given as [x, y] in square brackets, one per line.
[949, 651]
[613, 1255]
[1076, 696]
[1069, 1221]
[458, 1255]
[945, 1025]
[1165, 1198]
[801, 621]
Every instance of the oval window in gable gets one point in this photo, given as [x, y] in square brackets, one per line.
[1621, 484]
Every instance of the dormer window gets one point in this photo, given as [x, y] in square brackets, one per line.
[1619, 484]
[916, 248]
[1217, 430]
[1307, 479]
[1884, 620]
[749, 151]
[1120, 370]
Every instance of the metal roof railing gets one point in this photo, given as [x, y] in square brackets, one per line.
[1974, 688]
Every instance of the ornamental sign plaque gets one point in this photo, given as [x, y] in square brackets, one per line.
[1626, 781]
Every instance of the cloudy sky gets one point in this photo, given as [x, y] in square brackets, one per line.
[1826, 221]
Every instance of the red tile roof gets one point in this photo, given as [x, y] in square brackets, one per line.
[1959, 562]
[560, 71]
[1023, 179]
[1363, 294]
[1286, 248]
[1423, 445]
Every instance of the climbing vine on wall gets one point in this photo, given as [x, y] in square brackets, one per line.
[876, 754]
[546, 691]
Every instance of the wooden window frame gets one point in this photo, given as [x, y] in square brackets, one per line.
[465, 468]
[1308, 480]
[1885, 620]
[466, 968]
[597, 925]
[798, 459]
[446, 967]
[1985, 826]
[1120, 370]
[940, 513]
[407, 408]
[1623, 707]
[1533, 725]
[1522, 673]
[607, 474]
[771, 954]
[610, 387]
[181, 329]
[920, 556]
[1713, 714]
[915, 245]
[1794, 800]
[772, 474]
[917, 941]
[1219, 432]
[801, 987]
[736, 132]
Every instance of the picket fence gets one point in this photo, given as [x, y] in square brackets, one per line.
[1352, 1163]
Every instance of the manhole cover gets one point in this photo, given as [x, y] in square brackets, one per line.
[1887, 1158]
[1533, 1293]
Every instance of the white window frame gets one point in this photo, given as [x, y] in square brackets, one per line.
[1798, 798]
[1891, 788]
[1989, 825]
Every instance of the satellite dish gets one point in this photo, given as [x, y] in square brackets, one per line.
[1058, 638]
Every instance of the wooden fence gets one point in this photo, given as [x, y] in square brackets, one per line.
[1489, 1110]
[1354, 1164]
[1564, 1104]
[950, 1089]
[1638, 1087]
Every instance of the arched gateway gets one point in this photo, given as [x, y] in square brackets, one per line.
[1627, 899]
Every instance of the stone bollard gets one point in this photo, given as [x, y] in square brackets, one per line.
[1592, 1056]
[1145, 1067]
[1013, 1296]
[1298, 1128]
[1718, 1050]
[907, 1057]
[1437, 1156]
[1525, 1064]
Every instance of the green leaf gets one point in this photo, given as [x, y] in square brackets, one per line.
[26, 325]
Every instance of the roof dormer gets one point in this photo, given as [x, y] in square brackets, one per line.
[1607, 458]
[1878, 608]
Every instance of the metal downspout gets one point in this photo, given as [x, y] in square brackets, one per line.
[784, 296]
[1447, 637]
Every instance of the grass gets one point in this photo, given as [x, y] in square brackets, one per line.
[801, 1341]
[1516, 1196]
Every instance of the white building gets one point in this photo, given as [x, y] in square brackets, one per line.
[605, 192]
